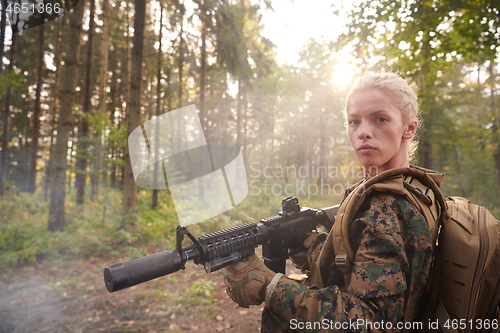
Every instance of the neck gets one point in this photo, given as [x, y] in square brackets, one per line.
[369, 171]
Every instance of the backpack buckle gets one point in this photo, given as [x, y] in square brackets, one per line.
[341, 260]
[418, 192]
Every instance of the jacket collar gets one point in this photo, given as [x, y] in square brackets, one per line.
[437, 177]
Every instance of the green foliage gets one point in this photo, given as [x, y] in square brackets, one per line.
[92, 230]
[21, 235]
[11, 79]
[156, 225]
[200, 292]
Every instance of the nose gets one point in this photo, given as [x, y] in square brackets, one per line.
[364, 131]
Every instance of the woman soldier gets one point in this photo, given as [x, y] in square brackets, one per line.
[391, 239]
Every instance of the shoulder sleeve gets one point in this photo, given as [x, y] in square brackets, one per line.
[392, 262]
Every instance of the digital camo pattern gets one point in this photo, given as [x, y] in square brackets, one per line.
[392, 262]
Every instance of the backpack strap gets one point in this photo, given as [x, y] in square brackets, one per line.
[443, 317]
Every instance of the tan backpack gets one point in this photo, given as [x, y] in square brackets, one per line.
[466, 280]
[464, 292]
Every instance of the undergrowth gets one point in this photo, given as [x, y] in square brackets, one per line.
[92, 230]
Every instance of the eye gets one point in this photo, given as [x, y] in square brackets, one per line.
[382, 119]
[353, 122]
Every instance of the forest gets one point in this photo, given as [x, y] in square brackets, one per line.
[74, 86]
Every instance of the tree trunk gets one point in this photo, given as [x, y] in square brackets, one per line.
[126, 69]
[496, 122]
[104, 57]
[426, 154]
[169, 86]
[113, 152]
[3, 23]
[154, 199]
[103, 78]
[203, 76]
[83, 128]
[6, 118]
[36, 115]
[55, 103]
[180, 64]
[323, 137]
[239, 98]
[427, 97]
[246, 149]
[129, 187]
[65, 123]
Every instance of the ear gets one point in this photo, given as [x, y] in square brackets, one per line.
[411, 129]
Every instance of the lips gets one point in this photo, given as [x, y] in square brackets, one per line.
[366, 148]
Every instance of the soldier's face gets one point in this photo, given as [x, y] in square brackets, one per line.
[377, 131]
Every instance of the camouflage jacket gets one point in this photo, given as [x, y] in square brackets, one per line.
[393, 260]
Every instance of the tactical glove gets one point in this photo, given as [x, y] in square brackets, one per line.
[248, 285]
[302, 260]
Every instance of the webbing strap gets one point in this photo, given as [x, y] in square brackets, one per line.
[498, 317]
[443, 317]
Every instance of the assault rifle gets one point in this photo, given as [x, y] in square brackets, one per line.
[280, 236]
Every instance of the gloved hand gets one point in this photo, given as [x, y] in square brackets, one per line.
[300, 258]
[246, 284]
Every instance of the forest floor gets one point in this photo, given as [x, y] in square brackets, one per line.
[60, 296]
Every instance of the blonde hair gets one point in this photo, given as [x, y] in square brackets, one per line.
[401, 93]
